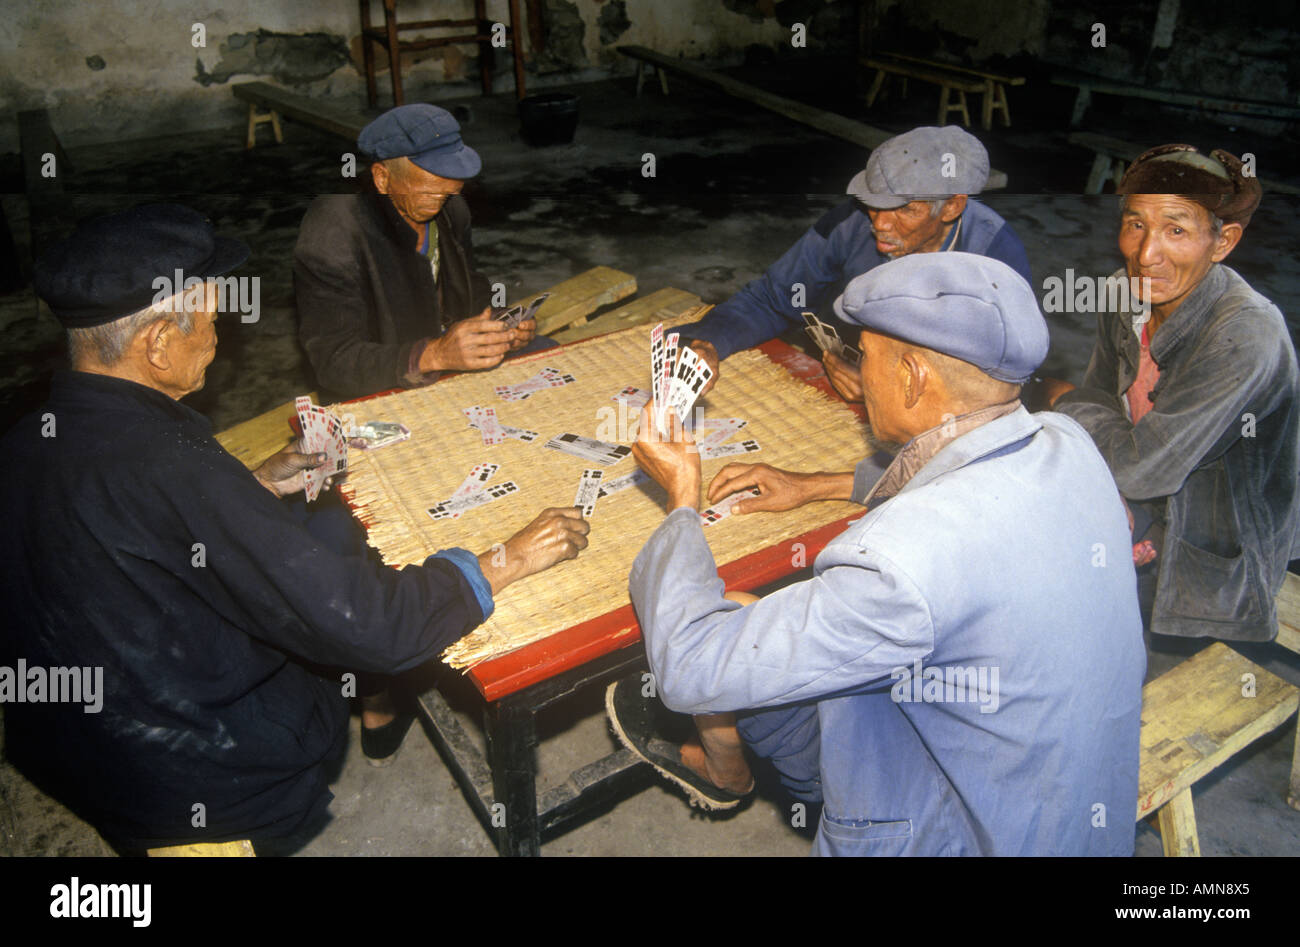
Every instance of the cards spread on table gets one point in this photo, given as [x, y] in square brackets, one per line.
[711, 431]
[722, 509]
[322, 432]
[714, 451]
[589, 448]
[456, 505]
[544, 379]
[476, 481]
[588, 491]
[635, 398]
[828, 340]
[485, 419]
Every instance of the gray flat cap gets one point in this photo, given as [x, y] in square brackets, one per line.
[925, 162]
[965, 305]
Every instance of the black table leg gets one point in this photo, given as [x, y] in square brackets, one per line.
[512, 743]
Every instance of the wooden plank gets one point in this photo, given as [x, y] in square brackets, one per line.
[951, 67]
[573, 300]
[1196, 716]
[947, 80]
[1209, 103]
[1177, 821]
[1288, 613]
[241, 849]
[659, 306]
[300, 108]
[828, 122]
[256, 439]
[1127, 151]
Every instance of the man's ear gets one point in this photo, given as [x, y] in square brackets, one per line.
[914, 376]
[1229, 237]
[952, 208]
[379, 174]
[156, 338]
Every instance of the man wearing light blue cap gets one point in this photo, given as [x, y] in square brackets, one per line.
[963, 673]
[387, 291]
[912, 197]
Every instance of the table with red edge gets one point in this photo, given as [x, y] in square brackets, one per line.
[515, 687]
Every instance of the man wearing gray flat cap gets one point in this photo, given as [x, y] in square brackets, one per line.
[960, 648]
[387, 291]
[912, 197]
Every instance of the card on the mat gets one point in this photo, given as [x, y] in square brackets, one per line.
[722, 509]
[625, 482]
[588, 491]
[589, 448]
[714, 451]
[457, 505]
[711, 431]
[635, 398]
[485, 419]
[477, 479]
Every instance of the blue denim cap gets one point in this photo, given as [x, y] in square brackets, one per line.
[426, 134]
[913, 166]
[965, 305]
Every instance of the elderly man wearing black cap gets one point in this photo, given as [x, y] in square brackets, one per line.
[1193, 400]
[960, 676]
[388, 295]
[912, 197]
[134, 544]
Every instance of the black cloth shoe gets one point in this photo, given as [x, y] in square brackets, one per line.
[380, 744]
[633, 719]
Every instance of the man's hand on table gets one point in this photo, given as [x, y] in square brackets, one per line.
[843, 376]
[282, 473]
[779, 490]
[555, 535]
[670, 457]
[469, 345]
[709, 355]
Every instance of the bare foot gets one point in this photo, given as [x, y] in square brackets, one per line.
[731, 772]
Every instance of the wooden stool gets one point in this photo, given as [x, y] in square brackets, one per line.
[388, 38]
[1195, 718]
[241, 849]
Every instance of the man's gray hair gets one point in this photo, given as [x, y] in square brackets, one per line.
[108, 343]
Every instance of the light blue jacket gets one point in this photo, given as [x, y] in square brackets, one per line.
[1008, 556]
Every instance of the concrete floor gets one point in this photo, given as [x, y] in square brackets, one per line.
[734, 187]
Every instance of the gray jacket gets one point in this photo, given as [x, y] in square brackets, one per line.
[1219, 448]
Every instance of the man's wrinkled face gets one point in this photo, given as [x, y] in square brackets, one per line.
[417, 194]
[192, 354]
[912, 228]
[1169, 240]
[882, 387]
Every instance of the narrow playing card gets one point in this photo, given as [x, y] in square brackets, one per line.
[461, 504]
[533, 306]
[711, 431]
[477, 479]
[625, 482]
[657, 365]
[688, 381]
[588, 491]
[722, 509]
[589, 448]
[635, 398]
[714, 451]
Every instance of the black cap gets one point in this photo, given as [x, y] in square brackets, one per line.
[110, 266]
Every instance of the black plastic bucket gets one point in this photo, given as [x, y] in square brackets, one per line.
[548, 118]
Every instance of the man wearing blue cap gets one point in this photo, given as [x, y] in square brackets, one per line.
[388, 295]
[963, 673]
[912, 197]
[135, 546]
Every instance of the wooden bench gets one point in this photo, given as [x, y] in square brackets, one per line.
[574, 299]
[266, 103]
[1087, 85]
[829, 123]
[948, 82]
[660, 306]
[1195, 718]
[1113, 156]
[1288, 613]
[995, 86]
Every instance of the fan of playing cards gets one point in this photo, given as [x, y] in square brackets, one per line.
[828, 340]
[322, 433]
[677, 376]
[517, 314]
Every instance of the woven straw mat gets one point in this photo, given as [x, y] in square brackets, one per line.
[797, 427]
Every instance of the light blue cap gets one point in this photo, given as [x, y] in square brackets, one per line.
[926, 162]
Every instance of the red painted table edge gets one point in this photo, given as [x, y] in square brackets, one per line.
[533, 663]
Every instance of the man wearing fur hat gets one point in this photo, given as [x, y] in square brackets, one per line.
[1193, 403]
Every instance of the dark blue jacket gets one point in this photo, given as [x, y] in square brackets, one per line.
[833, 251]
[207, 695]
